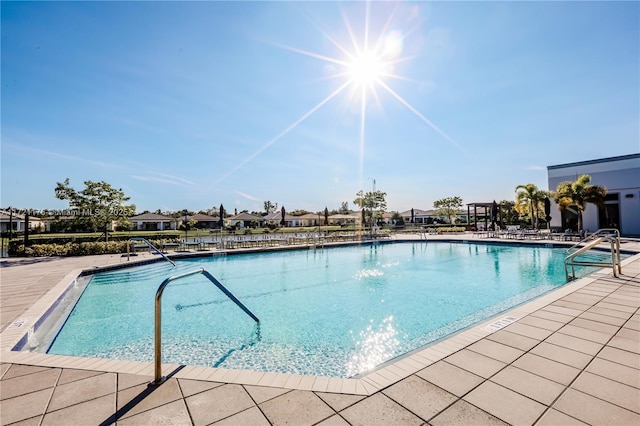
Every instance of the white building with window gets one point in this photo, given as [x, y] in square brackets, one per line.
[620, 175]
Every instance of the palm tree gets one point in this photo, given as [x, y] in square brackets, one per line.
[578, 194]
[529, 200]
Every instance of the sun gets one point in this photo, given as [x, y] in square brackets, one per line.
[366, 69]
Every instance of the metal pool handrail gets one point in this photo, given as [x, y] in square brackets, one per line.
[603, 232]
[151, 246]
[570, 262]
[158, 314]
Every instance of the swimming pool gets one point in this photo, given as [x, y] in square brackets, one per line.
[334, 312]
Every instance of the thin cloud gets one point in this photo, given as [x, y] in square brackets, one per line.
[177, 178]
[60, 155]
[157, 179]
[536, 168]
[247, 196]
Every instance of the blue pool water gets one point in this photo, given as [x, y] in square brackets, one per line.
[335, 312]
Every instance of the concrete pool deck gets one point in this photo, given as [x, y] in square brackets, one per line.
[569, 357]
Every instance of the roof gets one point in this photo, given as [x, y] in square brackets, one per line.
[417, 212]
[278, 216]
[345, 216]
[6, 215]
[204, 218]
[596, 161]
[311, 216]
[246, 216]
[150, 217]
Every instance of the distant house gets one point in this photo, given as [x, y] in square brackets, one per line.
[244, 220]
[58, 223]
[387, 218]
[16, 222]
[204, 221]
[421, 217]
[345, 219]
[276, 219]
[311, 219]
[153, 222]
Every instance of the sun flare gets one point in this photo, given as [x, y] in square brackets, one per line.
[366, 69]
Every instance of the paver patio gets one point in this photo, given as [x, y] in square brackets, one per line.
[571, 360]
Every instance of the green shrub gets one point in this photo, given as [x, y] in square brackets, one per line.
[76, 249]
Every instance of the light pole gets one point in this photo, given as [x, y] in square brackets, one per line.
[373, 204]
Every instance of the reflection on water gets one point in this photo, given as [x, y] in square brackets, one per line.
[365, 273]
[373, 347]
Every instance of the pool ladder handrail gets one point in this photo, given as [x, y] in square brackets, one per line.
[158, 378]
[151, 246]
[604, 232]
[610, 235]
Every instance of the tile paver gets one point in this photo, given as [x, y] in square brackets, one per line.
[496, 350]
[586, 334]
[562, 355]
[296, 408]
[592, 410]
[420, 397]
[334, 420]
[24, 384]
[192, 387]
[543, 367]
[620, 356]
[82, 390]
[92, 412]
[251, 416]
[261, 394]
[475, 363]
[556, 418]
[450, 377]
[505, 404]
[463, 413]
[617, 393]
[24, 406]
[614, 371]
[141, 398]
[339, 401]
[379, 410]
[514, 340]
[528, 384]
[173, 413]
[574, 343]
[218, 403]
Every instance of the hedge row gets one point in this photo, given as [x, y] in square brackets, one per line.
[74, 249]
[71, 238]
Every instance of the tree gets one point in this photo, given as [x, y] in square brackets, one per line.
[397, 219]
[373, 203]
[213, 211]
[97, 206]
[507, 211]
[448, 207]
[269, 207]
[530, 200]
[579, 194]
[344, 208]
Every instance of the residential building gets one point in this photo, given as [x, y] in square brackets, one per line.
[153, 222]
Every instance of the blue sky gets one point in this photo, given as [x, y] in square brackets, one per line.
[193, 104]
